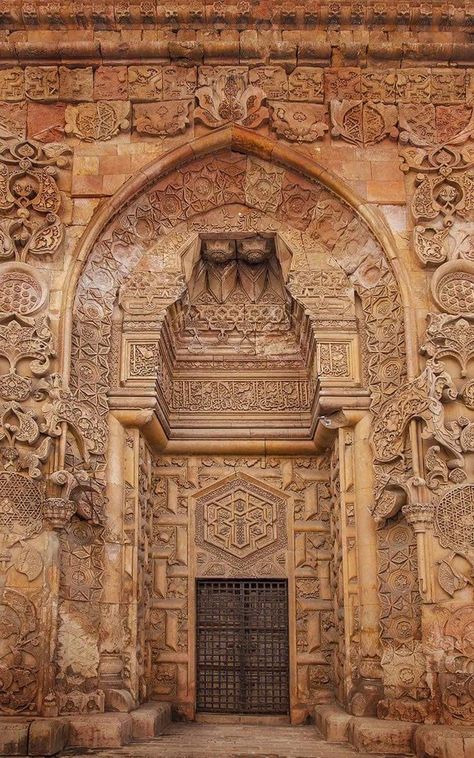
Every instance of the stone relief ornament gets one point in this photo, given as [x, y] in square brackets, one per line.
[22, 290]
[239, 519]
[30, 200]
[34, 411]
[363, 123]
[423, 399]
[162, 119]
[452, 287]
[19, 653]
[97, 121]
[434, 246]
[230, 100]
[298, 122]
[442, 165]
[449, 336]
[454, 514]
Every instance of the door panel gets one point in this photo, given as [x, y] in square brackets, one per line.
[242, 646]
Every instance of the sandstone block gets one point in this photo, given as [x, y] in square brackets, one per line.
[333, 722]
[443, 742]
[468, 747]
[118, 700]
[111, 83]
[377, 736]
[46, 122]
[47, 736]
[150, 720]
[103, 730]
[14, 738]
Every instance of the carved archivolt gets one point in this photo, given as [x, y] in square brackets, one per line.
[213, 194]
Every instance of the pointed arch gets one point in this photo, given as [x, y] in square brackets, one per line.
[248, 143]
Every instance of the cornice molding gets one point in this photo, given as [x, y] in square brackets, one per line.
[151, 14]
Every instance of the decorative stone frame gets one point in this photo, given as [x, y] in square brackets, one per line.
[364, 248]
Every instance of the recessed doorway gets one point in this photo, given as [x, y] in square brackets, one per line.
[242, 646]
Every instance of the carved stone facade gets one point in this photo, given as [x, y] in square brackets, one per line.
[237, 342]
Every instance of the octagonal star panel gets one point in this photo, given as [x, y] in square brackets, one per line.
[241, 521]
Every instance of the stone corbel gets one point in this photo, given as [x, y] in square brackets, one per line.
[419, 512]
[61, 506]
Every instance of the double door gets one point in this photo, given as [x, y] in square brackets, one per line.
[242, 646]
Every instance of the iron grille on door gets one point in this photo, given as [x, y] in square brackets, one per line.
[242, 646]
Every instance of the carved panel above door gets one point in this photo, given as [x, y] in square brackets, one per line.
[240, 528]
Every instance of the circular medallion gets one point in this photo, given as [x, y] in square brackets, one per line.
[453, 287]
[21, 291]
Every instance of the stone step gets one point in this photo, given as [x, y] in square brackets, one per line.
[374, 736]
[33, 736]
[150, 720]
[112, 730]
[50, 736]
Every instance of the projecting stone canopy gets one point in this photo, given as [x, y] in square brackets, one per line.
[233, 346]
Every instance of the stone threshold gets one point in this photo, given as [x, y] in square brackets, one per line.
[242, 718]
[395, 738]
[51, 736]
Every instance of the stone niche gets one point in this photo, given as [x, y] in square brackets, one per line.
[228, 344]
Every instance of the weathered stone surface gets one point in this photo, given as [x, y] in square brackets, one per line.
[443, 742]
[333, 722]
[14, 738]
[118, 700]
[104, 730]
[150, 720]
[163, 119]
[47, 736]
[236, 340]
[376, 736]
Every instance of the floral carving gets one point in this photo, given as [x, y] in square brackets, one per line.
[434, 246]
[163, 119]
[298, 122]
[450, 336]
[229, 100]
[305, 83]
[30, 199]
[22, 290]
[20, 664]
[145, 82]
[453, 287]
[421, 398]
[443, 182]
[363, 123]
[272, 80]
